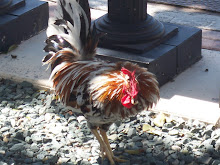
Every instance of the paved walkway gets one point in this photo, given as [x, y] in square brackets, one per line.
[211, 5]
[193, 94]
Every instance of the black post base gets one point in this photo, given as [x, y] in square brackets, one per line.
[24, 20]
[137, 38]
[169, 58]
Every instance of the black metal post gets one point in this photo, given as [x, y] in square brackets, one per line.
[127, 22]
[128, 12]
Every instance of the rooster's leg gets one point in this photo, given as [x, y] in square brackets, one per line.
[105, 138]
[103, 146]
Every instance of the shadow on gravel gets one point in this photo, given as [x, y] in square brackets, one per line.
[144, 148]
[132, 144]
[34, 130]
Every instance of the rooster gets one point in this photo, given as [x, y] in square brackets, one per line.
[103, 92]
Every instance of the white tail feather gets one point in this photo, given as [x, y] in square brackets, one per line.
[75, 11]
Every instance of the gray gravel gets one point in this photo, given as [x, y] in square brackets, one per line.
[34, 130]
